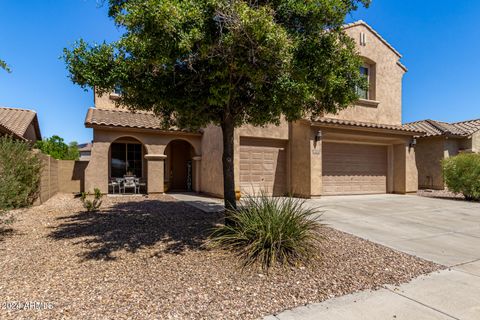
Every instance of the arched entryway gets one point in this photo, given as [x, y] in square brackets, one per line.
[127, 159]
[179, 167]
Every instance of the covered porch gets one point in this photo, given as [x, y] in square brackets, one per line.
[131, 159]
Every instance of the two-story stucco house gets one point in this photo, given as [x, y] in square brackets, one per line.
[363, 149]
[442, 140]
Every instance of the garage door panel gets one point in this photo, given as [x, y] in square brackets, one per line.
[354, 169]
[263, 166]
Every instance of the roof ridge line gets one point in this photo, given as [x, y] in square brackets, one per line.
[464, 121]
[124, 110]
[19, 109]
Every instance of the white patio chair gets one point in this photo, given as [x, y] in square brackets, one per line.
[142, 184]
[113, 183]
[120, 185]
[130, 182]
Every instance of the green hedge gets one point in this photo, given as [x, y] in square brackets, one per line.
[462, 175]
[19, 174]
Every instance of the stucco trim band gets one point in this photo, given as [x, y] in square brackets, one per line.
[155, 157]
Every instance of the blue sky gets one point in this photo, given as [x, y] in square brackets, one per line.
[439, 43]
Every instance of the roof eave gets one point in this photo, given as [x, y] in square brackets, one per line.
[370, 129]
[109, 127]
[12, 133]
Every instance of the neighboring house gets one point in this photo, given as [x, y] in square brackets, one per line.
[361, 150]
[20, 124]
[442, 140]
[85, 150]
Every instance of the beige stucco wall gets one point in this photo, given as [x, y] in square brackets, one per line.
[388, 82]
[30, 133]
[405, 174]
[466, 143]
[212, 149]
[431, 151]
[105, 101]
[476, 142]
[429, 154]
[450, 148]
[269, 131]
[300, 158]
[411, 171]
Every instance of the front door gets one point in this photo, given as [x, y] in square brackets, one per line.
[180, 156]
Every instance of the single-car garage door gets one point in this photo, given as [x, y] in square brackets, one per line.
[354, 168]
[263, 166]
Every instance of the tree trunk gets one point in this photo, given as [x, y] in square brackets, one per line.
[228, 129]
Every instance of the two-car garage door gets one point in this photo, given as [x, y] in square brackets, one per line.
[346, 168]
[354, 168]
[263, 166]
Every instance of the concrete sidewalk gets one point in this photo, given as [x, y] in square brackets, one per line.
[448, 294]
[201, 202]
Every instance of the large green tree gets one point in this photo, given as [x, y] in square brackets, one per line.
[226, 62]
[58, 149]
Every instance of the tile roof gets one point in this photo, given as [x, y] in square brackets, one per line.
[439, 128]
[124, 119]
[403, 129]
[16, 121]
[469, 126]
[85, 147]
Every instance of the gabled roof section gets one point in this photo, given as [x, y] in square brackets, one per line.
[16, 122]
[366, 25]
[469, 126]
[121, 118]
[439, 128]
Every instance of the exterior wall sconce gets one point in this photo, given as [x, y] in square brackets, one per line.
[318, 136]
[413, 143]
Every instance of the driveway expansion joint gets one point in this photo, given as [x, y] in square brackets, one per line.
[423, 304]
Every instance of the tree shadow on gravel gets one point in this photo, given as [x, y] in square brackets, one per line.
[5, 232]
[130, 226]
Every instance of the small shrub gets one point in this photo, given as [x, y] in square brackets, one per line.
[270, 231]
[92, 205]
[462, 175]
[19, 174]
[5, 218]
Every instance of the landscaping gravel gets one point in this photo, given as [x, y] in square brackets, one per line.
[442, 194]
[145, 258]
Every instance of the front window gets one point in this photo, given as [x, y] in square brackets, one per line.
[362, 93]
[126, 159]
[117, 90]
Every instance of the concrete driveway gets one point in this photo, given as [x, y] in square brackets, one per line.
[443, 231]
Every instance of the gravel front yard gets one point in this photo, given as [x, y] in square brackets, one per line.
[144, 258]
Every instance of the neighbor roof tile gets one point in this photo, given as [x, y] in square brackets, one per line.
[16, 121]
